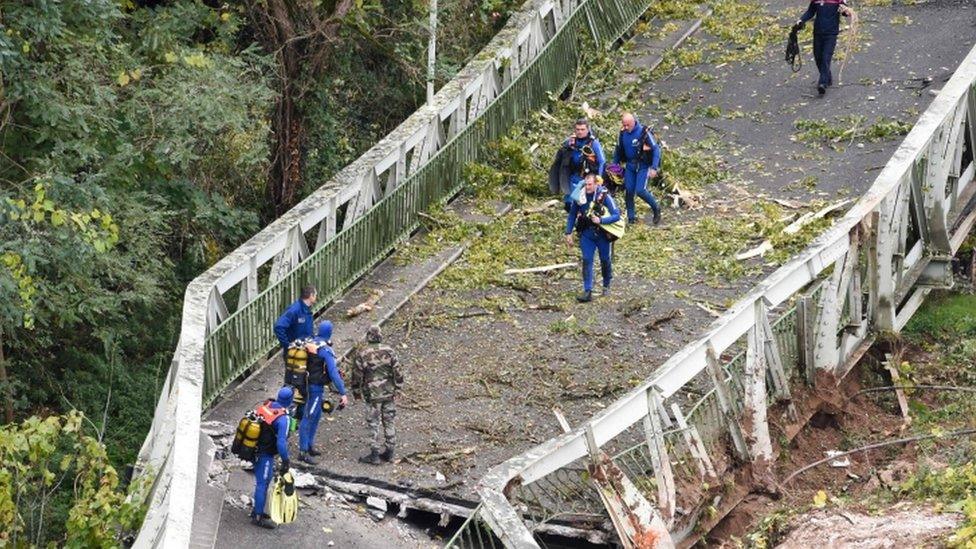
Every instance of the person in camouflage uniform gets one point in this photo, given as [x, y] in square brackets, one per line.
[376, 378]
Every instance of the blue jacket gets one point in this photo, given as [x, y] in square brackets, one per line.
[281, 426]
[577, 156]
[611, 215]
[295, 323]
[827, 13]
[629, 146]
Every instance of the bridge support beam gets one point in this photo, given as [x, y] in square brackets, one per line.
[755, 426]
[827, 356]
[637, 523]
[726, 402]
[695, 445]
[657, 449]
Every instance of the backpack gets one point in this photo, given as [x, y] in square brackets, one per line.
[245, 445]
[612, 231]
[613, 178]
[648, 136]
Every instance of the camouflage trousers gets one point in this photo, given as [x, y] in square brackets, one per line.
[381, 414]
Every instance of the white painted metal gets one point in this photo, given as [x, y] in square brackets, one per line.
[171, 452]
[884, 208]
[654, 436]
[754, 423]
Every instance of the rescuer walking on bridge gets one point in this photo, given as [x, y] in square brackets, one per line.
[593, 221]
[826, 27]
[640, 155]
[377, 379]
[581, 154]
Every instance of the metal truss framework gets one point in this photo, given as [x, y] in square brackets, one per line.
[868, 274]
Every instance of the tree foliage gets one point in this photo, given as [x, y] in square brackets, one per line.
[134, 145]
[138, 143]
[57, 487]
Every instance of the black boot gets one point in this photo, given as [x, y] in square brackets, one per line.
[372, 458]
[263, 521]
[821, 89]
[387, 454]
[585, 297]
[314, 452]
[657, 218]
[306, 457]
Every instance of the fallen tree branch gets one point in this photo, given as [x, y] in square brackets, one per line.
[708, 309]
[542, 269]
[666, 317]
[953, 434]
[929, 387]
[545, 206]
[432, 219]
[791, 204]
[365, 306]
[902, 400]
[759, 250]
[793, 228]
[441, 456]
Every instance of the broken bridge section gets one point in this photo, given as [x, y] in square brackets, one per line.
[772, 356]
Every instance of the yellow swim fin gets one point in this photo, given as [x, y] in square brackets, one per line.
[289, 498]
[276, 497]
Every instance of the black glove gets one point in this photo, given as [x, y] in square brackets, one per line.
[285, 466]
[798, 26]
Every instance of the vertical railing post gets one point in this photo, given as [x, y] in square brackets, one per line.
[695, 445]
[717, 374]
[827, 356]
[657, 449]
[806, 312]
[754, 424]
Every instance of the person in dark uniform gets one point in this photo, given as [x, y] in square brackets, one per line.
[599, 209]
[826, 26]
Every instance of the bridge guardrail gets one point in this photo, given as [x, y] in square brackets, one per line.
[347, 226]
[872, 270]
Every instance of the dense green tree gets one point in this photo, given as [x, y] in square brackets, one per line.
[134, 146]
[140, 141]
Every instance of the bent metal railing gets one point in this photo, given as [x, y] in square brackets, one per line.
[347, 226]
[867, 274]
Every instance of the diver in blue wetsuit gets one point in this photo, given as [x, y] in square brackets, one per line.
[640, 155]
[598, 209]
[586, 157]
[322, 369]
[272, 441]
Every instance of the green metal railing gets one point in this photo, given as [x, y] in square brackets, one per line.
[474, 534]
[247, 336]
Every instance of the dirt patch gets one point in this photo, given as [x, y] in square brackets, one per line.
[902, 526]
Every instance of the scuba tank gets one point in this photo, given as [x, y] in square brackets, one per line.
[245, 445]
[296, 373]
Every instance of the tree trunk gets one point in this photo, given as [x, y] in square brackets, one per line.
[8, 406]
[300, 34]
[285, 178]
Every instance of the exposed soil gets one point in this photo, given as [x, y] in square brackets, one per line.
[850, 504]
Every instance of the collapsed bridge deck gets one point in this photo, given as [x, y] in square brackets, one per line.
[486, 365]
